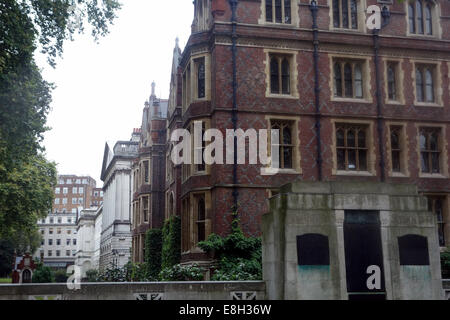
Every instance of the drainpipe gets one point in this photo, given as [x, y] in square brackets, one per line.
[233, 4]
[385, 14]
[314, 9]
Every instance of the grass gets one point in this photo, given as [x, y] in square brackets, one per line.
[5, 280]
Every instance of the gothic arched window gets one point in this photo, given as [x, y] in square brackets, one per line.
[280, 75]
[278, 11]
[345, 14]
[425, 88]
[420, 17]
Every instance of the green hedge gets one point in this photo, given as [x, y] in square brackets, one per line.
[171, 248]
[153, 247]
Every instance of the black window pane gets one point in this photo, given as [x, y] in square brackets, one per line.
[345, 13]
[361, 139]
[201, 80]
[434, 141]
[352, 160]
[396, 161]
[395, 141]
[336, 11]
[287, 156]
[269, 16]
[391, 84]
[341, 159]
[286, 79]
[362, 160]
[278, 12]
[337, 80]
[354, 14]
[351, 142]
[419, 17]
[419, 85]
[412, 19]
[348, 80]
[340, 138]
[435, 162]
[428, 23]
[274, 76]
[425, 162]
[287, 11]
[287, 138]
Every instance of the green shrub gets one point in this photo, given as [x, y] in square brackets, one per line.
[153, 248]
[181, 273]
[61, 276]
[171, 248]
[239, 257]
[113, 274]
[92, 275]
[43, 274]
[138, 272]
[445, 264]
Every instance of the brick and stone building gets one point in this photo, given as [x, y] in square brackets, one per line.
[115, 238]
[148, 172]
[351, 104]
[59, 229]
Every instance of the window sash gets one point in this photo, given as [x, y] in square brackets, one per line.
[352, 155]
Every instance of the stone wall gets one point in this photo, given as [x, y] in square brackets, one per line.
[320, 209]
[250, 290]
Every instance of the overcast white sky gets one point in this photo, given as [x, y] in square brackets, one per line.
[101, 88]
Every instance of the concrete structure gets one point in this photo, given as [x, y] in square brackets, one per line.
[245, 290]
[115, 243]
[88, 243]
[59, 239]
[149, 170]
[254, 65]
[322, 241]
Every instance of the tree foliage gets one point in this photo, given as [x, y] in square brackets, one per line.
[171, 249]
[26, 177]
[239, 257]
[153, 248]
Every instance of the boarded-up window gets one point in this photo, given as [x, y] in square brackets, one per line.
[313, 250]
[413, 250]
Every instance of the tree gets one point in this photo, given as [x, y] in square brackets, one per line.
[26, 177]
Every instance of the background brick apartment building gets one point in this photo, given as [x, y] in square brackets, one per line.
[351, 104]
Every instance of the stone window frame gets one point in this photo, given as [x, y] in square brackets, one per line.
[292, 56]
[146, 179]
[404, 173]
[371, 150]
[189, 80]
[296, 161]
[362, 8]
[435, 16]
[295, 17]
[189, 223]
[443, 144]
[190, 170]
[143, 218]
[399, 80]
[437, 83]
[367, 86]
